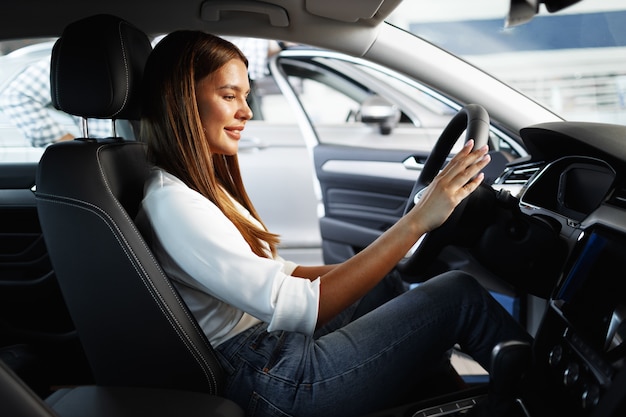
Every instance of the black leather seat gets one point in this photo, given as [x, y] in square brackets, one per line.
[135, 329]
[18, 400]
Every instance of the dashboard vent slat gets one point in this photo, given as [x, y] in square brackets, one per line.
[519, 174]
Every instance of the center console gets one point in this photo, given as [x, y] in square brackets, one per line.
[579, 348]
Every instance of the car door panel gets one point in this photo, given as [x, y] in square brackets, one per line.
[364, 193]
[30, 300]
[33, 315]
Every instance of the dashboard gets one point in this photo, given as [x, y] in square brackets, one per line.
[577, 186]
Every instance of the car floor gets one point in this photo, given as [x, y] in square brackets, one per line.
[469, 369]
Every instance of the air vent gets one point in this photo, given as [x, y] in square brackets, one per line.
[519, 174]
[515, 178]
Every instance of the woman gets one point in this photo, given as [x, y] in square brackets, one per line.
[295, 340]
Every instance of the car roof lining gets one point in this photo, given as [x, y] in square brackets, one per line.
[352, 10]
[355, 21]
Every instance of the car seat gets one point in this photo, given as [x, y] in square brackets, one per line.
[18, 400]
[135, 329]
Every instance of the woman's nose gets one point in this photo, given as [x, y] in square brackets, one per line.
[245, 112]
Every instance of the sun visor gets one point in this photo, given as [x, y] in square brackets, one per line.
[352, 10]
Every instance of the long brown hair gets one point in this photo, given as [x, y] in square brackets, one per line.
[171, 126]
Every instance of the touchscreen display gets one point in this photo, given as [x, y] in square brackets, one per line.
[592, 296]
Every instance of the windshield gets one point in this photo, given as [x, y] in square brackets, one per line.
[572, 61]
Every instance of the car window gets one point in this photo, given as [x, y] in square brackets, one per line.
[572, 62]
[18, 134]
[16, 55]
[336, 92]
[430, 101]
[28, 121]
[315, 95]
[333, 90]
[268, 103]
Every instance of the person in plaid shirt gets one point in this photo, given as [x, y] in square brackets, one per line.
[257, 51]
[26, 101]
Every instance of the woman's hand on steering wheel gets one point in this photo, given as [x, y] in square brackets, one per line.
[472, 119]
[460, 177]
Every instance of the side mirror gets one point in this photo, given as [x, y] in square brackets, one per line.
[377, 110]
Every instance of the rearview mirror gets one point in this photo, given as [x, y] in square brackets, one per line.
[522, 11]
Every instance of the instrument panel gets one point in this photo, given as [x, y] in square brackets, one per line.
[571, 187]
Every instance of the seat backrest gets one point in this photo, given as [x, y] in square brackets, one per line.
[134, 327]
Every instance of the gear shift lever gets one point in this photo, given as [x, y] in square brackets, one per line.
[509, 361]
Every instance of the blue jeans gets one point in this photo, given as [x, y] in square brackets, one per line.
[360, 360]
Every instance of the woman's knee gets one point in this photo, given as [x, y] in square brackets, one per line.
[460, 285]
[460, 280]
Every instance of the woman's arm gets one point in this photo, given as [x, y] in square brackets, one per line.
[312, 272]
[343, 284]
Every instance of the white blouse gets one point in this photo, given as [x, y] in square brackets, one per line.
[227, 287]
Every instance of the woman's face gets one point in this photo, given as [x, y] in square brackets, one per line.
[224, 111]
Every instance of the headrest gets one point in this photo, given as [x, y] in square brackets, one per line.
[96, 68]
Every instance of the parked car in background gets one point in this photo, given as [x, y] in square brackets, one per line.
[344, 125]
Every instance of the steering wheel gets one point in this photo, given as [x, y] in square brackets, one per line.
[474, 119]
